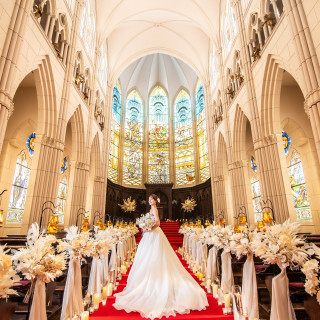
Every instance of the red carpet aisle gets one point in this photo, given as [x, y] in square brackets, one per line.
[212, 312]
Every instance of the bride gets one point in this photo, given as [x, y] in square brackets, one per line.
[158, 284]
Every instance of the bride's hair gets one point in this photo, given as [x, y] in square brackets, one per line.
[154, 197]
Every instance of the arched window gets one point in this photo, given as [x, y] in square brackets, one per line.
[255, 189]
[183, 139]
[158, 164]
[299, 188]
[19, 190]
[228, 28]
[87, 28]
[61, 199]
[132, 161]
[215, 70]
[102, 68]
[115, 133]
[201, 130]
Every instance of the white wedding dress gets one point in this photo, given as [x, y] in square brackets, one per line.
[158, 284]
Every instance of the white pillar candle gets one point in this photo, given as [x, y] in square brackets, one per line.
[123, 269]
[85, 315]
[96, 300]
[110, 289]
[104, 293]
[209, 285]
[215, 290]
[127, 264]
[227, 300]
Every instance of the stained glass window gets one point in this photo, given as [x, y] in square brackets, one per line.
[215, 70]
[253, 164]
[132, 161]
[19, 190]
[158, 166]
[115, 133]
[299, 188]
[256, 197]
[102, 68]
[64, 165]
[184, 158]
[31, 143]
[61, 199]
[286, 142]
[228, 27]
[201, 130]
[87, 28]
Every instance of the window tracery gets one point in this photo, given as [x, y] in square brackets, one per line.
[228, 28]
[61, 199]
[87, 28]
[102, 68]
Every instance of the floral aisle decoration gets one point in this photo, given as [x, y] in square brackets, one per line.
[280, 244]
[8, 275]
[189, 204]
[78, 246]
[128, 205]
[241, 245]
[41, 263]
[311, 270]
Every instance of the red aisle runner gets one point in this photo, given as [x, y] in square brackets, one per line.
[109, 312]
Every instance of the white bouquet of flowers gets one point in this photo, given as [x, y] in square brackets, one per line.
[8, 276]
[280, 244]
[240, 243]
[220, 237]
[206, 234]
[146, 222]
[78, 245]
[311, 270]
[184, 229]
[103, 242]
[39, 260]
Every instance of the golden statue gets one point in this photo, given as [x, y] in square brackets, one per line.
[242, 220]
[1, 218]
[100, 224]
[53, 224]
[85, 225]
[237, 229]
[110, 223]
[267, 218]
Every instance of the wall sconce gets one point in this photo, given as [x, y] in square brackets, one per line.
[1, 211]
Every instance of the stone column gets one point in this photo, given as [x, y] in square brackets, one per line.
[8, 60]
[240, 192]
[309, 63]
[272, 173]
[195, 141]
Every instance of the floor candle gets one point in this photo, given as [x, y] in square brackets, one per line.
[104, 293]
[215, 290]
[123, 269]
[227, 300]
[109, 290]
[85, 315]
[96, 300]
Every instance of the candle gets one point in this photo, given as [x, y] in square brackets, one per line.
[209, 286]
[127, 264]
[123, 269]
[91, 309]
[215, 290]
[96, 300]
[200, 275]
[227, 300]
[109, 289]
[85, 315]
[104, 293]
[104, 302]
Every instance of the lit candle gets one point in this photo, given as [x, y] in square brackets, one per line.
[104, 302]
[215, 290]
[104, 293]
[127, 264]
[91, 309]
[209, 285]
[123, 269]
[227, 300]
[110, 289]
[96, 300]
[85, 315]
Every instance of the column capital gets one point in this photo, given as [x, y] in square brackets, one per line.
[82, 166]
[312, 99]
[6, 102]
[267, 141]
[237, 164]
[51, 142]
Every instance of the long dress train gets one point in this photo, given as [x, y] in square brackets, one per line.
[158, 285]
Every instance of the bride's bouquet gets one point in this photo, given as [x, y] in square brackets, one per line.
[146, 222]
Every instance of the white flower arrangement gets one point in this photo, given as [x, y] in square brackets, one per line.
[103, 242]
[8, 276]
[220, 237]
[128, 205]
[78, 245]
[280, 244]
[146, 222]
[240, 243]
[184, 229]
[312, 285]
[39, 260]
[189, 205]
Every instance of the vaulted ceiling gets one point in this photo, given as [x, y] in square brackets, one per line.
[185, 29]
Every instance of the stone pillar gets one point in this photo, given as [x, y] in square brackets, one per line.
[273, 172]
[195, 141]
[8, 60]
[240, 192]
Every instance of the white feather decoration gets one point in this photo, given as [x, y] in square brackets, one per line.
[33, 234]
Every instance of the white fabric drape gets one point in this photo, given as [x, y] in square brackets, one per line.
[281, 306]
[95, 278]
[212, 264]
[113, 259]
[72, 298]
[38, 308]
[249, 288]
[104, 268]
[227, 275]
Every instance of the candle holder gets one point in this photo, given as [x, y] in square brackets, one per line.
[47, 206]
[221, 219]
[81, 212]
[1, 211]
